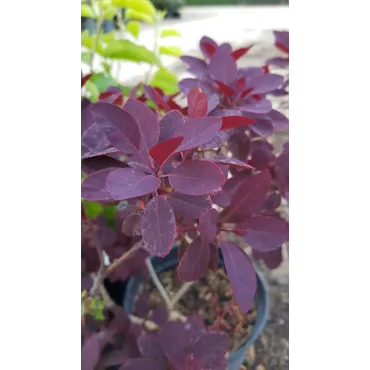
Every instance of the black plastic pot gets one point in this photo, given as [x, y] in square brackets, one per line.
[236, 358]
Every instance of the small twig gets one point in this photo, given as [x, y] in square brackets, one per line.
[96, 38]
[184, 288]
[157, 283]
[123, 258]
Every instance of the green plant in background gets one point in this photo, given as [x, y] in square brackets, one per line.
[93, 306]
[123, 44]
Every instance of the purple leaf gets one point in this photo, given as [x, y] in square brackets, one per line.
[173, 338]
[114, 358]
[233, 162]
[195, 260]
[159, 315]
[198, 131]
[94, 186]
[125, 183]
[196, 177]
[222, 67]
[107, 128]
[131, 226]
[189, 206]
[241, 274]
[208, 224]
[222, 198]
[197, 103]
[162, 151]
[90, 165]
[158, 226]
[282, 37]
[261, 155]
[90, 353]
[196, 66]
[259, 106]
[272, 202]
[264, 233]
[263, 127]
[250, 72]
[272, 259]
[265, 83]
[149, 345]
[278, 120]
[279, 62]
[218, 140]
[249, 197]
[236, 121]
[147, 123]
[209, 351]
[142, 306]
[143, 364]
[208, 46]
[170, 124]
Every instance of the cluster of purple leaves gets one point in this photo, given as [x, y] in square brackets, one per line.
[159, 160]
[175, 345]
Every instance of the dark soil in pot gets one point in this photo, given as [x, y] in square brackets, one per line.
[210, 297]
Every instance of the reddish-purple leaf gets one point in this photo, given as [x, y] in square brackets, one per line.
[222, 67]
[214, 258]
[198, 131]
[249, 197]
[232, 162]
[208, 46]
[159, 315]
[90, 353]
[182, 249]
[263, 127]
[84, 79]
[272, 202]
[107, 128]
[196, 66]
[236, 121]
[261, 155]
[147, 123]
[196, 177]
[209, 351]
[173, 338]
[195, 260]
[94, 186]
[265, 83]
[131, 226]
[278, 120]
[143, 364]
[158, 227]
[149, 345]
[112, 97]
[259, 106]
[197, 103]
[156, 97]
[222, 198]
[189, 206]
[208, 224]
[170, 124]
[238, 53]
[226, 90]
[264, 233]
[162, 151]
[126, 183]
[282, 38]
[241, 274]
[272, 259]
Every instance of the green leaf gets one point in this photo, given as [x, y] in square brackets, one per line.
[110, 214]
[109, 12]
[92, 209]
[87, 11]
[133, 14]
[88, 41]
[85, 57]
[93, 90]
[170, 50]
[170, 32]
[102, 81]
[127, 50]
[141, 6]
[166, 81]
[106, 67]
[125, 90]
[134, 28]
[107, 36]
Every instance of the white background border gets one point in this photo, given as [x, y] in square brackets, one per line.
[329, 190]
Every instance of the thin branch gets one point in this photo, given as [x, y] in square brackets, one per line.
[157, 283]
[123, 258]
[184, 288]
[96, 38]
